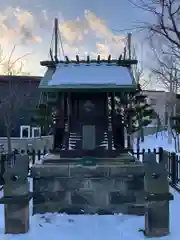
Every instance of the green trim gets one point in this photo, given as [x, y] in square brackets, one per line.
[90, 86]
[102, 88]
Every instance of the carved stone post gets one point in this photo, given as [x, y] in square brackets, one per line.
[157, 195]
[16, 196]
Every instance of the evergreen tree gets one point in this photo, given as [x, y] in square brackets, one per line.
[135, 111]
[43, 118]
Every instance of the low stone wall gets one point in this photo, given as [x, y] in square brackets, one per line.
[113, 187]
[36, 143]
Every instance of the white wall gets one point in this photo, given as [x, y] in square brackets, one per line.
[159, 98]
[36, 143]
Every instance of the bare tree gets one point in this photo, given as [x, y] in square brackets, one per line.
[168, 74]
[167, 69]
[163, 29]
[11, 104]
[167, 20]
[164, 35]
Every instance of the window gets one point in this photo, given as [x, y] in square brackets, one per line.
[24, 131]
[36, 132]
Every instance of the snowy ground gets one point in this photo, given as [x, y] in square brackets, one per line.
[86, 227]
[156, 141]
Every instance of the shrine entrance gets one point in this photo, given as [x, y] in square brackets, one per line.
[89, 118]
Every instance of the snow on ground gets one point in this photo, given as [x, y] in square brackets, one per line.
[91, 227]
[156, 141]
[94, 227]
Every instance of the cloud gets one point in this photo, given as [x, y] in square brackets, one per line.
[74, 31]
[93, 33]
[99, 27]
[18, 26]
[86, 35]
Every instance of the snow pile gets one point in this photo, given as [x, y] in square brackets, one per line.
[156, 141]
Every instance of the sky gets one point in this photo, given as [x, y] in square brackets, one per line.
[86, 27]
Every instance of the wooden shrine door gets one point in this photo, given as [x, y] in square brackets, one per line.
[89, 117]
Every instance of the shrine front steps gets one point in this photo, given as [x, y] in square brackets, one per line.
[57, 158]
[107, 187]
[98, 152]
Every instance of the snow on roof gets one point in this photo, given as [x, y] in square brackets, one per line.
[87, 74]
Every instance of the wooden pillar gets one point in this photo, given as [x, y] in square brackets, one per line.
[69, 109]
[110, 125]
[129, 122]
[112, 115]
[65, 106]
[68, 104]
[112, 106]
[106, 104]
[123, 95]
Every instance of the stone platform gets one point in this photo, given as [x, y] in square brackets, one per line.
[107, 186]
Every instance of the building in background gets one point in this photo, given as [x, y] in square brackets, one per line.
[158, 100]
[25, 89]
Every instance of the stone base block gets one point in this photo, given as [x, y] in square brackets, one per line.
[157, 219]
[108, 186]
[16, 218]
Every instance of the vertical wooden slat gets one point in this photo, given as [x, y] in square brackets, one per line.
[33, 156]
[173, 169]
[39, 154]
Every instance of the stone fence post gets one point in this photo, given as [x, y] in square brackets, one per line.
[157, 195]
[16, 196]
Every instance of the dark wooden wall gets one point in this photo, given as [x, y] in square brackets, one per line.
[80, 99]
